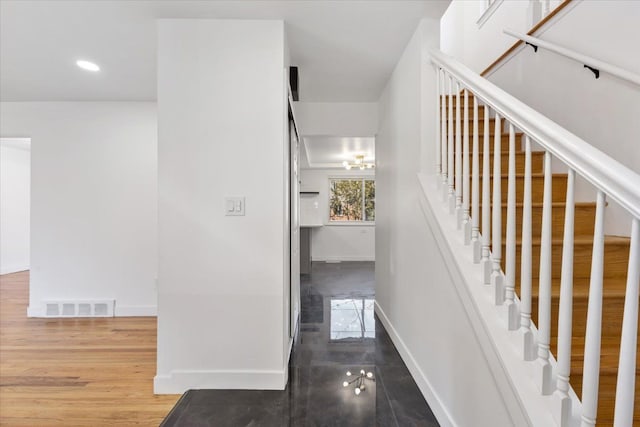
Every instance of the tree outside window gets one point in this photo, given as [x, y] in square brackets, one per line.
[352, 200]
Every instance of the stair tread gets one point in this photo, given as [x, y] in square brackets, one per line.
[536, 204]
[577, 240]
[533, 175]
[612, 287]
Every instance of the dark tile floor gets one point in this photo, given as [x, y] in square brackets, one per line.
[338, 333]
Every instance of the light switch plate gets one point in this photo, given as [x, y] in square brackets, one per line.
[234, 206]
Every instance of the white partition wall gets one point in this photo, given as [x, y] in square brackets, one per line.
[416, 297]
[93, 202]
[221, 118]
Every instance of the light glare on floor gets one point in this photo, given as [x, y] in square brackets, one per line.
[87, 65]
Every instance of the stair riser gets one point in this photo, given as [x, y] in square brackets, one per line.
[504, 145]
[537, 162]
[616, 258]
[454, 100]
[492, 128]
[583, 221]
[480, 112]
[613, 307]
[558, 186]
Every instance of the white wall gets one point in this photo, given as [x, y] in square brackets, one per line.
[478, 46]
[15, 204]
[415, 294]
[337, 118]
[603, 112]
[334, 242]
[93, 200]
[221, 115]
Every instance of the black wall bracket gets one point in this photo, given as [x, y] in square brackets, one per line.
[595, 71]
[535, 48]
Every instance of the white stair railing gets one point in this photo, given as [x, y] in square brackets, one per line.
[461, 186]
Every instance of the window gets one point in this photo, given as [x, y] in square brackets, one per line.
[352, 200]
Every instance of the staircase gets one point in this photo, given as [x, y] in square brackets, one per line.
[616, 249]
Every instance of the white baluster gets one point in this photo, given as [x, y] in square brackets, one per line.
[450, 193]
[496, 254]
[475, 188]
[625, 387]
[487, 265]
[443, 132]
[562, 402]
[591, 368]
[466, 224]
[528, 346]
[543, 374]
[458, 167]
[438, 122]
[511, 309]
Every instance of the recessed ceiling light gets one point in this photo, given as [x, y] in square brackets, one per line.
[87, 65]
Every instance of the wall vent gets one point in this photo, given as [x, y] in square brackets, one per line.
[84, 308]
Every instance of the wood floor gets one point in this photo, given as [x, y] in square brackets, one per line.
[75, 372]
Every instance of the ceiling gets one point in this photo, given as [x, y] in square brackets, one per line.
[330, 151]
[345, 50]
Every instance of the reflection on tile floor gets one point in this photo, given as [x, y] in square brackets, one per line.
[338, 333]
[352, 318]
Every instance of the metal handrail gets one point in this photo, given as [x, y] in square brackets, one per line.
[617, 181]
[593, 64]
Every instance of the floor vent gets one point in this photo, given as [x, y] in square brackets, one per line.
[99, 308]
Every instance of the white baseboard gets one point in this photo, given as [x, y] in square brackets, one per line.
[35, 311]
[14, 269]
[136, 310]
[179, 381]
[435, 403]
[343, 258]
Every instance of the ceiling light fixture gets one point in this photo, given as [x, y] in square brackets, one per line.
[359, 163]
[87, 65]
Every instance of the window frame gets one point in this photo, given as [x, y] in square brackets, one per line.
[362, 179]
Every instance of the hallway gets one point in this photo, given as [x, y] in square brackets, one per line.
[338, 333]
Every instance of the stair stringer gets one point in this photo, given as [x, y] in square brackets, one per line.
[501, 348]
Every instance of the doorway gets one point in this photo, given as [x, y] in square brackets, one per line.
[15, 204]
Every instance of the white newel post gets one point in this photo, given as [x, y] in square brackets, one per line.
[625, 388]
[450, 194]
[528, 345]
[487, 266]
[562, 408]
[466, 225]
[591, 368]
[543, 374]
[475, 188]
[458, 167]
[511, 309]
[496, 275]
